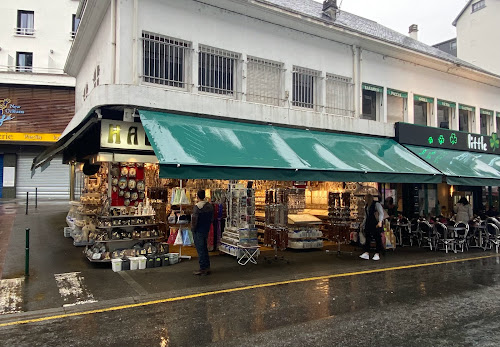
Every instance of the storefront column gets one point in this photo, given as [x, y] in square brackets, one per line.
[454, 119]
[410, 114]
[194, 68]
[434, 114]
[476, 124]
[384, 106]
[356, 66]
[288, 82]
[244, 70]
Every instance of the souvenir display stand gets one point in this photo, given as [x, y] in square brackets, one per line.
[303, 232]
[276, 233]
[239, 237]
[179, 222]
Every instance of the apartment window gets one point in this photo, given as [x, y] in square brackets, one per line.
[97, 73]
[25, 23]
[339, 95]
[420, 113]
[304, 87]
[264, 81]
[478, 5]
[484, 119]
[444, 116]
[463, 120]
[24, 61]
[164, 60]
[217, 70]
[75, 22]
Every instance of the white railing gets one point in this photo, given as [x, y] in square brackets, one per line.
[31, 69]
[24, 31]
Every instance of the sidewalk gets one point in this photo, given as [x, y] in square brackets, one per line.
[62, 279]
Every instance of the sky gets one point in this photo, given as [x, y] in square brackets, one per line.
[433, 17]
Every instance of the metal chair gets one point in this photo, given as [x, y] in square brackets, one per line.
[461, 236]
[492, 236]
[428, 234]
[415, 232]
[444, 239]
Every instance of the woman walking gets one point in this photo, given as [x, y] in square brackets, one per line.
[372, 227]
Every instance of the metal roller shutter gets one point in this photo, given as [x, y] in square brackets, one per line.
[52, 183]
[1, 175]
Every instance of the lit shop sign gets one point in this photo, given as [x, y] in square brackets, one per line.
[29, 137]
[123, 135]
[399, 94]
[373, 88]
[418, 135]
[8, 110]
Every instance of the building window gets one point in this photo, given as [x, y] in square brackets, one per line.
[264, 81]
[463, 120]
[217, 70]
[478, 5]
[420, 112]
[369, 105]
[25, 23]
[24, 61]
[97, 73]
[484, 120]
[75, 22]
[444, 116]
[304, 87]
[164, 60]
[339, 95]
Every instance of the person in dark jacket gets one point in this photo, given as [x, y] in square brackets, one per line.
[203, 215]
[372, 227]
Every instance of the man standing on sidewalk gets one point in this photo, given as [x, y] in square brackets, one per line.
[203, 214]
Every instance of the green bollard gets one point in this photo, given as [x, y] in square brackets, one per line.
[27, 260]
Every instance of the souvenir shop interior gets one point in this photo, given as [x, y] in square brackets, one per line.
[126, 215]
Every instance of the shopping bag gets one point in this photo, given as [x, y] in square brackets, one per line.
[185, 237]
[362, 237]
[382, 235]
[172, 236]
[184, 200]
[191, 238]
[210, 241]
[178, 239]
[177, 197]
[389, 240]
[353, 237]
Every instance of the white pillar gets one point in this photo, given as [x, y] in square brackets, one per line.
[356, 80]
[193, 73]
[411, 103]
[288, 83]
[434, 114]
[476, 124]
[244, 67]
[454, 118]
[384, 106]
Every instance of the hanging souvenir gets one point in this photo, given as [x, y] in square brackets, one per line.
[131, 184]
[114, 181]
[178, 239]
[136, 203]
[177, 196]
[132, 172]
[115, 189]
[186, 241]
[184, 198]
[126, 202]
[121, 192]
[141, 186]
[134, 196]
[142, 195]
[127, 195]
[115, 171]
[122, 183]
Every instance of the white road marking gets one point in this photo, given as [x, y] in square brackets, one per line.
[72, 289]
[11, 298]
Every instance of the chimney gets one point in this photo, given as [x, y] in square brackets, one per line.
[330, 8]
[414, 31]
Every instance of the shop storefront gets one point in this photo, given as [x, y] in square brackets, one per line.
[274, 186]
[31, 119]
[469, 162]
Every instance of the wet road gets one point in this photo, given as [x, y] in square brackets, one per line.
[454, 304]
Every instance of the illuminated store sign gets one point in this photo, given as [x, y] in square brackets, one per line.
[29, 137]
[419, 135]
[123, 135]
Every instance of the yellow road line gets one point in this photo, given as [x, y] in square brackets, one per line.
[238, 289]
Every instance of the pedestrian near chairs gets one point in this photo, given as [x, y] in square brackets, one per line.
[493, 236]
[461, 232]
[446, 240]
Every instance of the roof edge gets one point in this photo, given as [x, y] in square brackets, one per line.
[461, 13]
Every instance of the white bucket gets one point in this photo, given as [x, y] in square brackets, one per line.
[116, 265]
[173, 258]
[142, 262]
[134, 263]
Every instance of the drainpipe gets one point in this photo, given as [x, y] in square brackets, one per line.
[356, 80]
[113, 41]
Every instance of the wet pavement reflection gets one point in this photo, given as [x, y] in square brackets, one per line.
[421, 306]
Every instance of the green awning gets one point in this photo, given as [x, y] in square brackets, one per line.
[423, 99]
[372, 87]
[446, 103]
[192, 147]
[397, 93]
[466, 108]
[487, 112]
[461, 167]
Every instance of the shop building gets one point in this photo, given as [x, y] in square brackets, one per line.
[266, 91]
[36, 96]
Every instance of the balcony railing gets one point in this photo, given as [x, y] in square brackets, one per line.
[31, 69]
[24, 31]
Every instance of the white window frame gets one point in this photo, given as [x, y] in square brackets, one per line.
[333, 106]
[302, 80]
[29, 28]
[24, 68]
[270, 74]
[171, 69]
[213, 65]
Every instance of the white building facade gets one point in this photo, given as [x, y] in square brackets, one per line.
[37, 97]
[277, 62]
[478, 34]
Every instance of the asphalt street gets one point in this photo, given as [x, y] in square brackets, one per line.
[451, 304]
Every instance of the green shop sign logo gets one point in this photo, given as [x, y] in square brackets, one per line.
[494, 142]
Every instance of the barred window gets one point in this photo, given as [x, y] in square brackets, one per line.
[305, 87]
[164, 60]
[339, 95]
[216, 70]
[264, 80]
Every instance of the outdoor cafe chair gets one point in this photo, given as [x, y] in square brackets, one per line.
[445, 239]
[428, 234]
[461, 236]
[493, 236]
